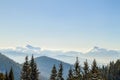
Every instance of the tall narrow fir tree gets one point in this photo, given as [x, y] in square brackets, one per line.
[53, 73]
[26, 71]
[6, 76]
[95, 73]
[11, 75]
[86, 71]
[77, 71]
[60, 72]
[70, 74]
[34, 75]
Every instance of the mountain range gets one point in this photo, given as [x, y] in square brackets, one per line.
[103, 56]
[45, 59]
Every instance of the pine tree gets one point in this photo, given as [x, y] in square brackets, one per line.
[25, 74]
[86, 71]
[111, 71]
[95, 73]
[53, 73]
[117, 70]
[60, 72]
[11, 75]
[104, 72]
[70, 75]
[76, 72]
[34, 71]
[6, 76]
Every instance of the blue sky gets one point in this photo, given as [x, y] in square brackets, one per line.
[60, 24]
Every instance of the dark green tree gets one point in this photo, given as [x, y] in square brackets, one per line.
[11, 75]
[34, 71]
[53, 73]
[70, 74]
[86, 71]
[77, 71]
[60, 72]
[6, 76]
[26, 70]
[95, 73]
[104, 72]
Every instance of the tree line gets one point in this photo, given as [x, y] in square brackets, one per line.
[94, 72]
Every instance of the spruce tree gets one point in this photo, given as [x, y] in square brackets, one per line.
[117, 70]
[53, 73]
[111, 70]
[11, 75]
[70, 75]
[34, 75]
[104, 72]
[76, 72]
[60, 72]
[95, 73]
[86, 71]
[6, 76]
[25, 73]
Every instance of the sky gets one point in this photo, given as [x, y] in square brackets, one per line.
[60, 24]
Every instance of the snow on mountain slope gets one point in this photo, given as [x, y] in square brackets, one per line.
[45, 65]
[19, 53]
[103, 56]
[101, 52]
[6, 64]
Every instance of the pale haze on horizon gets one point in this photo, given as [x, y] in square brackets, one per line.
[60, 24]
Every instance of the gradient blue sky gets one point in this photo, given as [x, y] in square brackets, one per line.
[60, 24]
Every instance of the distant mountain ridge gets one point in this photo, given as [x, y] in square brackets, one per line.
[103, 56]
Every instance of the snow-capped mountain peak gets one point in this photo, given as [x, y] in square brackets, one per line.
[98, 49]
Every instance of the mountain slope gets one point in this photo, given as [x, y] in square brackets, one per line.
[6, 63]
[45, 65]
